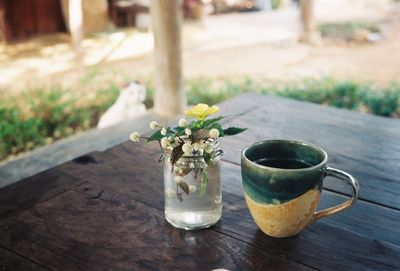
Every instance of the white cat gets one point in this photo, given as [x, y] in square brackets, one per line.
[128, 105]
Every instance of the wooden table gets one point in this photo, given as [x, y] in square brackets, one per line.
[104, 211]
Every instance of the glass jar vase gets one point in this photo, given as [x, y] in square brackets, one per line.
[193, 198]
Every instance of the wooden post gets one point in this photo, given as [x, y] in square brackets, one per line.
[3, 30]
[310, 31]
[75, 21]
[170, 98]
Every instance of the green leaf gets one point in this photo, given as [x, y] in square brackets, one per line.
[207, 158]
[208, 122]
[234, 131]
[195, 125]
[156, 136]
[179, 130]
[184, 187]
[203, 182]
[200, 124]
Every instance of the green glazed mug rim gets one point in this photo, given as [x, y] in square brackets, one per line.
[290, 141]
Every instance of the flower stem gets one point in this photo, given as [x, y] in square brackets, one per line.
[180, 139]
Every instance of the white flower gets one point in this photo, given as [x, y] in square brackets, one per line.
[135, 137]
[153, 125]
[165, 143]
[192, 188]
[196, 146]
[188, 131]
[177, 142]
[178, 179]
[214, 133]
[182, 123]
[209, 149]
[164, 131]
[187, 148]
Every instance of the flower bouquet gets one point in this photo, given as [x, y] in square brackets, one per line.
[191, 168]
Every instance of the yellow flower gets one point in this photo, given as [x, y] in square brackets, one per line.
[202, 111]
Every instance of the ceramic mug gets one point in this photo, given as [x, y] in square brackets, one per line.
[282, 184]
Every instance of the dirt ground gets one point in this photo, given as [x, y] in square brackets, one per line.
[258, 44]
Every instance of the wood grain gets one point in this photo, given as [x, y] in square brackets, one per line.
[367, 225]
[125, 169]
[27, 193]
[91, 228]
[364, 145]
[11, 262]
[104, 210]
[121, 168]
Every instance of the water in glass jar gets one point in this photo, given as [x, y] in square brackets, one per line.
[198, 209]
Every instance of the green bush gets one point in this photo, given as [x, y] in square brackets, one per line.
[275, 4]
[344, 94]
[18, 134]
[384, 103]
[339, 94]
[39, 117]
[346, 30]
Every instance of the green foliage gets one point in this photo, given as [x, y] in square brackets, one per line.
[233, 131]
[339, 94]
[155, 136]
[342, 94]
[204, 179]
[19, 134]
[346, 30]
[275, 4]
[172, 141]
[213, 91]
[384, 103]
[39, 117]
[197, 125]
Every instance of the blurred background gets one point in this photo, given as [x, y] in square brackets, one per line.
[62, 67]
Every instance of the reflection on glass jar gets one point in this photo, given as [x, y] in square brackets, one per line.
[193, 198]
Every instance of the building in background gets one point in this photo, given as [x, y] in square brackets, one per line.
[20, 19]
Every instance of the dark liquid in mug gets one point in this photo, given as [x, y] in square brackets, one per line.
[283, 163]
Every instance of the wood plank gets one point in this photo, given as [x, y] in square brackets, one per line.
[11, 262]
[48, 16]
[364, 145]
[27, 193]
[125, 168]
[4, 28]
[20, 18]
[321, 246]
[93, 228]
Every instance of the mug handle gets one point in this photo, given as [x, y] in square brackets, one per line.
[346, 178]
